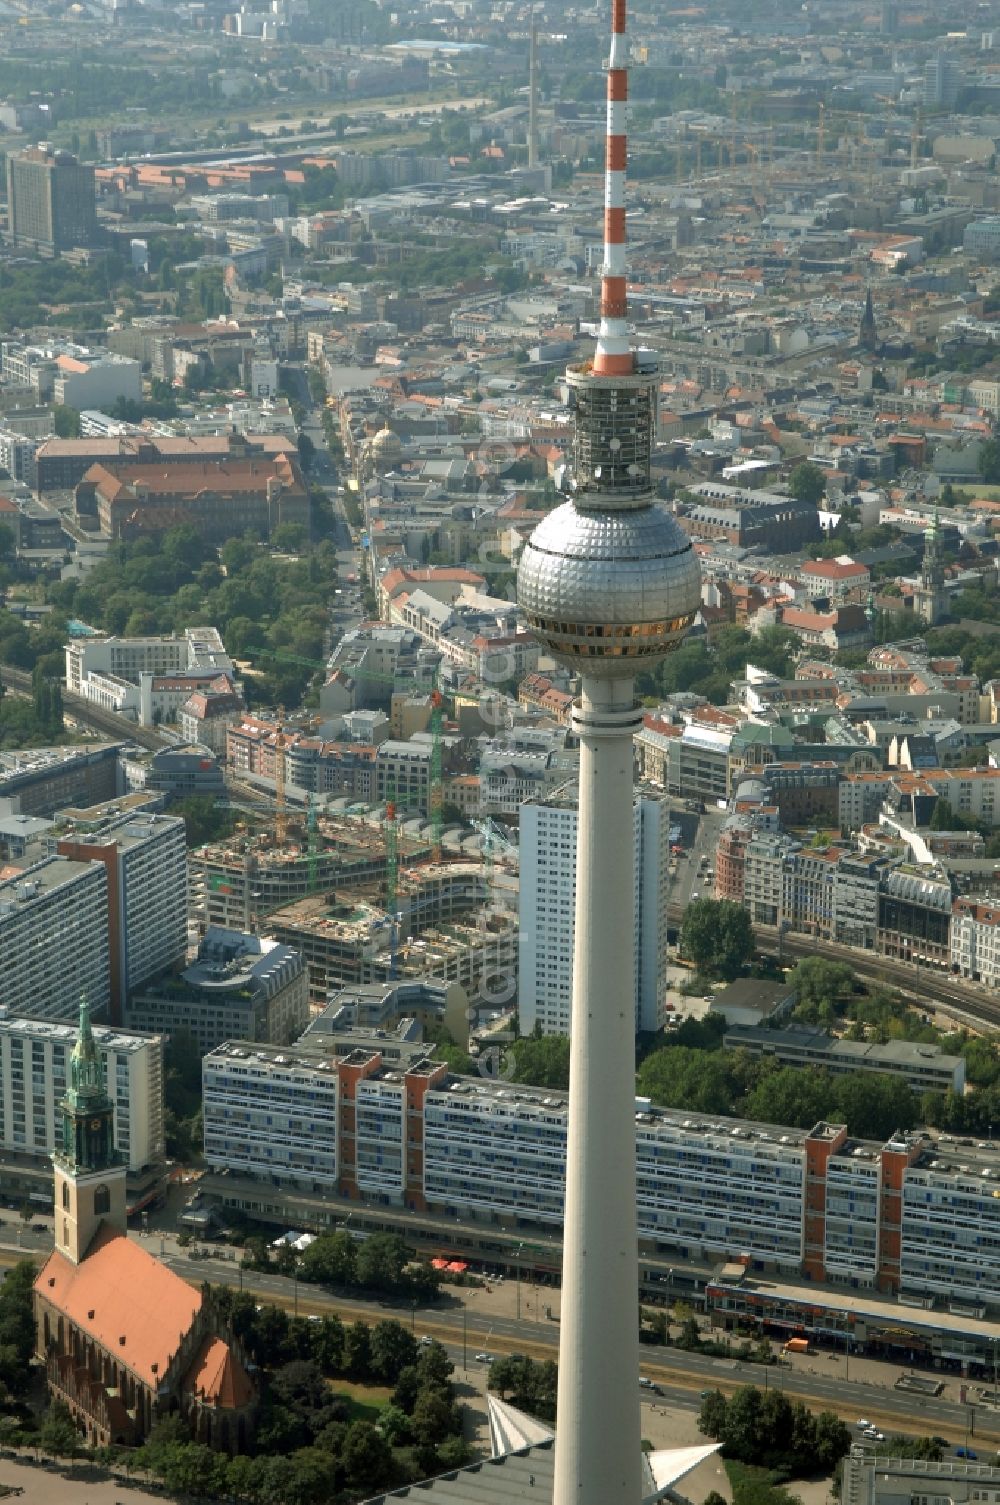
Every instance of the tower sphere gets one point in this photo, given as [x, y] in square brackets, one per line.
[609, 591]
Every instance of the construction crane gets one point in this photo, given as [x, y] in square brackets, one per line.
[280, 808]
[494, 839]
[312, 842]
[390, 834]
[435, 796]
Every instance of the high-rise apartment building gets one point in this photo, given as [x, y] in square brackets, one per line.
[943, 81]
[54, 939]
[50, 200]
[548, 910]
[145, 858]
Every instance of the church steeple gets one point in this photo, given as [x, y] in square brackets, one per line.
[87, 1141]
[89, 1173]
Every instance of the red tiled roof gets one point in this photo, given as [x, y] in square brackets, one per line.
[218, 1378]
[125, 1300]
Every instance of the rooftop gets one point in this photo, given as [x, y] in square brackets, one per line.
[144, 1331]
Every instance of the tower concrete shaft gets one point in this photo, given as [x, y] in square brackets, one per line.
[598, 1422]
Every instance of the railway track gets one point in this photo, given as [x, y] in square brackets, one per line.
[112, 725]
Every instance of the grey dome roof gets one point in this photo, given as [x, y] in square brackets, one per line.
[605, 588]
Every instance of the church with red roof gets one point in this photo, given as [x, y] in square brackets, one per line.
[123, 1339]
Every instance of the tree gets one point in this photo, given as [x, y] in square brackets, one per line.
[290, 538]
[989, 462]
[393, 1348]
[66, 421]
[382, 1261]
[57, 1434]
[307, 452]
[542, 1061]
[433, 1417]
[313, 1478]
[327, 1343]
[366, 1457]
[394, 1424]
[717, 936]
[819, 983]
[357, 1350]
[807, 483]
[679, 1077]
[789, 1095]
[874, 1106]
[331, 1259]
[833, 1441]
[690, 1334]
[741, 1433]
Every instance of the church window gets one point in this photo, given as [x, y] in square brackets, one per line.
[102, 1200]
[65, 1194]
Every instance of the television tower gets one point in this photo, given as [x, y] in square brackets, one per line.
[609, 584]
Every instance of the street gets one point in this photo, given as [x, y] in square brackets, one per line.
[478, 1319]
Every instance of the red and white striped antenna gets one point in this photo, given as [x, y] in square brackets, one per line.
[614, 356]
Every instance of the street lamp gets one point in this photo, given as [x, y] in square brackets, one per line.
[517, 1274]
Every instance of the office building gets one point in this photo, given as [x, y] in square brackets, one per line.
[218, 500]
[975, 941]
[548, 844]
[50, 201]
[54, 939]
[42, 780]
[982, 238]
[199, 650]
[34, 1066]
[240, 987]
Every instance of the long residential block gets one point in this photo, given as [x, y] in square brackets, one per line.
[384, 1123]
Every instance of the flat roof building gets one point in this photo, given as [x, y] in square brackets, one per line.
[917, 1215]
[55, 939]
[51, 201]
[923, 1067]
[241, 986]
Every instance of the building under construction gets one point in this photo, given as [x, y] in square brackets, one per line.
[238, 882]
[438, 929]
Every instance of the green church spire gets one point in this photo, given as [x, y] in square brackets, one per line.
[88, 1115]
